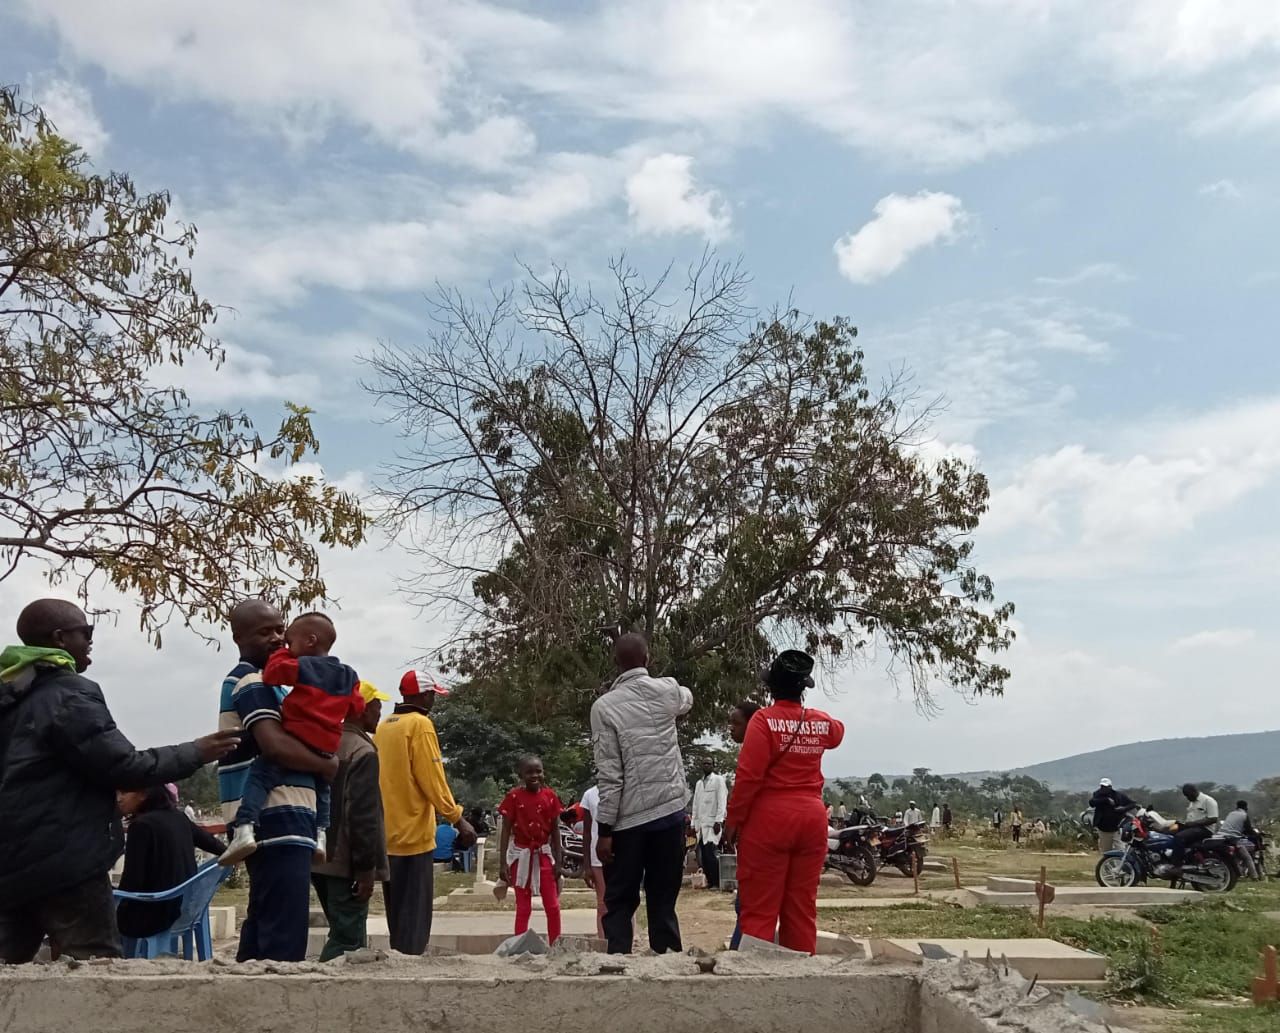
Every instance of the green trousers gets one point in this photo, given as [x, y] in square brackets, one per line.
[347, 917]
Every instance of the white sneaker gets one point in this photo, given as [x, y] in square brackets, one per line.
[320, 854]
[241, 846]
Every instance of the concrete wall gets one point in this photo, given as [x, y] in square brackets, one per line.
[434, 994]
[550, 994]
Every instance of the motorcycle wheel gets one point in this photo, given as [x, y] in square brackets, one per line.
[1116, 872]
[1224, 876]
[861, 870]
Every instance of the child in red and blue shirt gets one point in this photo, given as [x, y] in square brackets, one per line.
[324, 692]
[531, 846]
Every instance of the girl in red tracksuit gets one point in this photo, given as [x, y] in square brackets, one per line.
[776, 812]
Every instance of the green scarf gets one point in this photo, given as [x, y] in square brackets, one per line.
[16, 658]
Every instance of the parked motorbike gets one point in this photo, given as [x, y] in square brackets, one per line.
[1255, 845]
[571, 848]
[1208, 866]
[852, 852]
[904, 846]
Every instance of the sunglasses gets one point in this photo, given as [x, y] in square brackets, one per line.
[85, 629]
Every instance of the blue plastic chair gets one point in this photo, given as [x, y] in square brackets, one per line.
[192, 924]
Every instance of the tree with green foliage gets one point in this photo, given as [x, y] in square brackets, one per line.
[105, 470]
[668, 463]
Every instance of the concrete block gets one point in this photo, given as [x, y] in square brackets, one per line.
[1038, 959]
[1098, 896]
[842, 945]
[222, 923]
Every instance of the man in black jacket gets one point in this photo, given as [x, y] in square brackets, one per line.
[1109, 808]
[62, 758]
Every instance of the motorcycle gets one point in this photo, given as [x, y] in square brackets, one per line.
[904, 847]
[1209, 866]
[852, 852]
[571, 850]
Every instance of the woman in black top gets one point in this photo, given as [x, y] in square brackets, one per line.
[159, 854]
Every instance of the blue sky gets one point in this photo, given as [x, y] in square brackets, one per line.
[1061, 215]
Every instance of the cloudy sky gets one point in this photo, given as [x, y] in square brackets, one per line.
[1062, 215]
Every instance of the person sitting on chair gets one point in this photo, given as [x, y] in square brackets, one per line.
[159, 855]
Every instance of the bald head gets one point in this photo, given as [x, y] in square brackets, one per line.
[57, 624]
[258, 630]
[39, 621]
[630, 651]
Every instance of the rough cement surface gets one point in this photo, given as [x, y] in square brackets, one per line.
[972, 997]
[747, 993]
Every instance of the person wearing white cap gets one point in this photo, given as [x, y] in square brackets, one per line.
[414, 791]
[1109, 808]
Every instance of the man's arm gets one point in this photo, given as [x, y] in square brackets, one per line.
[279, 747]
[608, 757]
[88, 738]
[557, 845]
[504, 840]
[427, 765]
[361, 813]
[206, 841]
[722, 801]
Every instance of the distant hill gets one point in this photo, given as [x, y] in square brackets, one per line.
[1162, 763]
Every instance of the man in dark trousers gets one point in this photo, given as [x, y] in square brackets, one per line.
[415, 790]
[278, 916]
[62, 758]
[642, 797]
[356, 856]
[1109, 807]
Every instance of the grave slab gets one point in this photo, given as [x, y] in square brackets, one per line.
[1033, 959]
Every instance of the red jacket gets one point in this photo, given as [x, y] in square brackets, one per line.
[325, 691]
[782, 753]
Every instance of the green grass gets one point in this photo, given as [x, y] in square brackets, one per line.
[916, 919]
[1186, 957]
[1235, 1019]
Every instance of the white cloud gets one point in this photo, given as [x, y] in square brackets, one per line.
[663, 198]
[1118, 506]
[1257, 109]
[490, 145]
[243, 376]
[902, 226]
[301, 67]
[69, 107]
[1147, 38]
[392, 234]
[1221, 638]
[990, 361]
[1225, 189]
[1108, 272]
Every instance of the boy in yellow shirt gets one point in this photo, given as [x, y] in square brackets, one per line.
[414, 789]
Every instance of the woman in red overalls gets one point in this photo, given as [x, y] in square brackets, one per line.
[776, 813]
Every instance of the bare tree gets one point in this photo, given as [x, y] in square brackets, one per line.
[724, 484]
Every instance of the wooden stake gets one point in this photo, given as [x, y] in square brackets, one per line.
[955, 870]
[1266, 988]
[1044, 894]
[915, 874]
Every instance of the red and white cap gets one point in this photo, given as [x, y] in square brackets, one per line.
[419, 683]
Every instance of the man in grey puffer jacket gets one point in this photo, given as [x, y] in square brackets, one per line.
[642, 797]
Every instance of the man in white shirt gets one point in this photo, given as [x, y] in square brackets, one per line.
[913, 815]
[936, 818]
[1202, 819]
[710, 798]
[842, 814]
